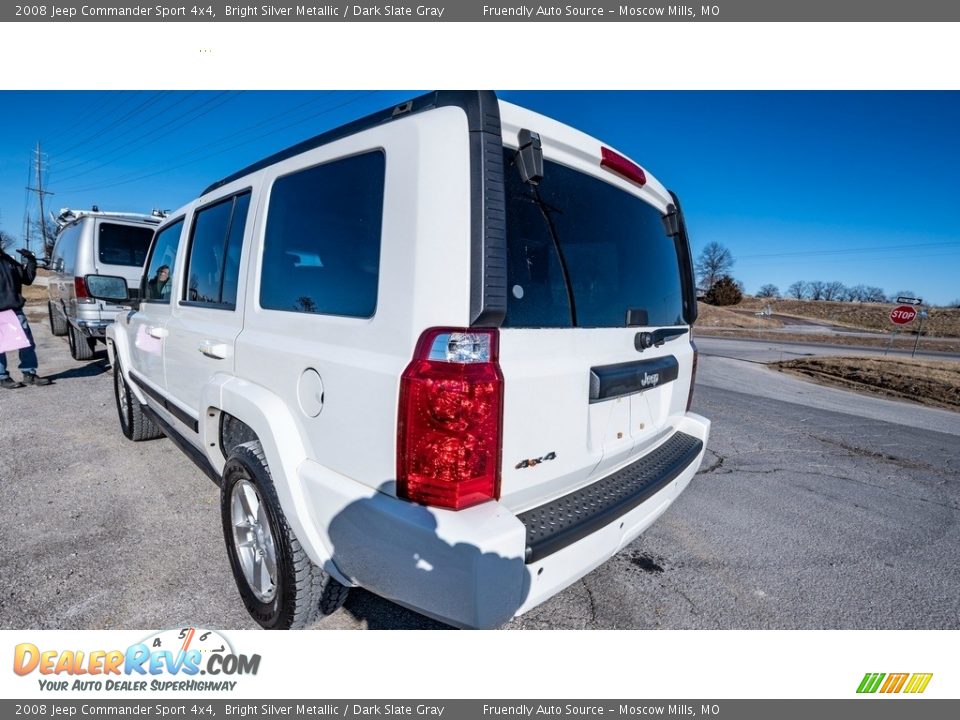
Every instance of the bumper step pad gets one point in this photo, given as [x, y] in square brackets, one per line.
[566, 520]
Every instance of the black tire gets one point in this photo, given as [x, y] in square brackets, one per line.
[303, 592]
[81, 347]
[134, 423]
[58, 323]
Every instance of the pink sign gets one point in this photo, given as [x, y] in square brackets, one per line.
[12, 336]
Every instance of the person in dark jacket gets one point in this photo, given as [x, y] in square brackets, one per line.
[13, 276]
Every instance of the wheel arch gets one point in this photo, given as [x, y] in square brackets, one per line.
[264, 415]
[118, 349]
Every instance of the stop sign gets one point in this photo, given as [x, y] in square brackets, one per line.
[902, 314]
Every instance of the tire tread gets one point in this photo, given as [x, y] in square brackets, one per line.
[315, 593]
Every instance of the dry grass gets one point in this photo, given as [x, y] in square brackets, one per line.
[942, 322]
[36, 293]
[710, 316]
[901, 342]
[930, 382]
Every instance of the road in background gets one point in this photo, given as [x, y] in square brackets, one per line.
[816, 508]
[769, 349]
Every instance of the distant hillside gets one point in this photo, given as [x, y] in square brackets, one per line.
[865, 316]
[737, 317]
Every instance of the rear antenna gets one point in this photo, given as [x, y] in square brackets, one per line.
[530, 157]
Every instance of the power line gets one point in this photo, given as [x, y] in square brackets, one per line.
[95, 153]
[146, 103]
[844, 251]
[283, 115]
[182, 121]
[81, 116]
[122, 180]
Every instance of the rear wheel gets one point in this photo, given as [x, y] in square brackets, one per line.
[280, 586]
[81, 347]
[134, 422]
[58, 323]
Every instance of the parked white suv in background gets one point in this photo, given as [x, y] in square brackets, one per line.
[442, 353]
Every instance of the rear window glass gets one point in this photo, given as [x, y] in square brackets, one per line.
[581, 252]
[321, 252]
[123, 244]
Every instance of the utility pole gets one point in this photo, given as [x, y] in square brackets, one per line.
[40, 193]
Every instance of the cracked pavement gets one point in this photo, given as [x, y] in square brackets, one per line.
[815, 508]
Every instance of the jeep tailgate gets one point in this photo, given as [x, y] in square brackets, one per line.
[594, 350]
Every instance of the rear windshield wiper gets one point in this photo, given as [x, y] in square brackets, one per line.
[644, 340]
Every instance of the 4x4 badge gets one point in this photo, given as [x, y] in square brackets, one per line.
[535, 461]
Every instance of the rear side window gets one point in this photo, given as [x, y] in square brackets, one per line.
[582, 252]
[322, 246]
[157, 281]
[65, 251]
[214, 265]
[123, 244]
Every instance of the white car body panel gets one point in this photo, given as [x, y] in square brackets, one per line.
[335, 469]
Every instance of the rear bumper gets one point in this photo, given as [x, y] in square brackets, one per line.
[94, 328]
[481, 566]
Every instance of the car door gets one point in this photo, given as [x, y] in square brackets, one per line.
[147, 326]
[206, 316]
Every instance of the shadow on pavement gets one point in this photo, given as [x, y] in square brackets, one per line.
[91, 369]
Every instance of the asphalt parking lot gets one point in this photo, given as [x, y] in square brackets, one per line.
[816, 508]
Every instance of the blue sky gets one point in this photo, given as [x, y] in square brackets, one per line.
[859, 187]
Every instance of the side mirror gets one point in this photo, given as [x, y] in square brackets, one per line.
[107, 287]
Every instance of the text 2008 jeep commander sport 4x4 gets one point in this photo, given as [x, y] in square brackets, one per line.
[442, 353]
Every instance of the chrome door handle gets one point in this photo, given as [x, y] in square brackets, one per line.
[157, 332]
[211, 349]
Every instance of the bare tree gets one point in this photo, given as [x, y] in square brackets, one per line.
[874, 294]
[45, 235]
[833, 290]
[712, 263]
[6, 240]
[798, 290]
[815, 289]
[768, 291]
[855, 293]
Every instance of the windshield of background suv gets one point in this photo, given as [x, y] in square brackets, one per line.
[581, 252]
[123, 244]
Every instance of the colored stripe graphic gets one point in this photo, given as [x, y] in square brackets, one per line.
[918, 683]
[894, 682]
[870, 682]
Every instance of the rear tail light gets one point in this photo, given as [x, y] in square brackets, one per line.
[80, 291]
[617, 163]
[693, 375]
[449, 420]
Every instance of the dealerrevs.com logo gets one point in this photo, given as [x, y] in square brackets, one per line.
[170, 660]
[909, 683]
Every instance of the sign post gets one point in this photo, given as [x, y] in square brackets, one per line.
[900, 315]
[916, 343]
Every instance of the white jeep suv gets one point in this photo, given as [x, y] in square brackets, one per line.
[442, 352]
